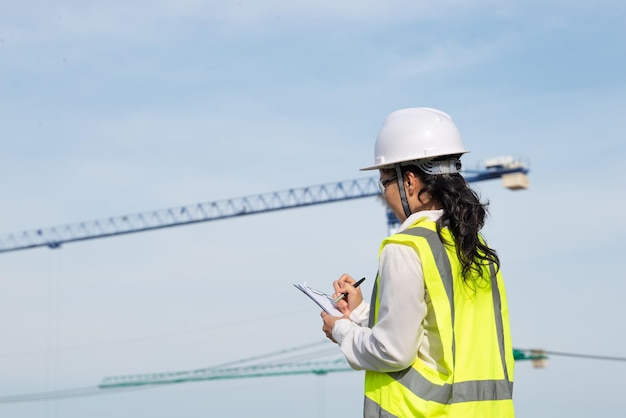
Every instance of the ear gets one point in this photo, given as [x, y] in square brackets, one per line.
[414, 186]
[411, 182]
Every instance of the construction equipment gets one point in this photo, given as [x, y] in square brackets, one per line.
[274, 364]
[512, 171]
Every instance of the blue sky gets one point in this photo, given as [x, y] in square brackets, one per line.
[112, 108]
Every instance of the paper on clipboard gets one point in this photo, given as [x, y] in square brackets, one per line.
[323, 300]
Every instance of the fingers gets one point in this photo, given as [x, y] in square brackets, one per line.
[343, 282]
[327, 327]
[346, 279]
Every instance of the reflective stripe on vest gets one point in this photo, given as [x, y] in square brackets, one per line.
[455, 392]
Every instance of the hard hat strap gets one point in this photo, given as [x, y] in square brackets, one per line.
[403, 199]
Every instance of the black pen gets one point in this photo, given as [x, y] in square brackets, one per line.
[343, 295]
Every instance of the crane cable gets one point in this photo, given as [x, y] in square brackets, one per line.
[577, 355]
[65, 393]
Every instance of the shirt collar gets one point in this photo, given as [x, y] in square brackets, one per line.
[431, 215]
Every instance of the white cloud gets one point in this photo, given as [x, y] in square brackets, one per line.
[447, 56]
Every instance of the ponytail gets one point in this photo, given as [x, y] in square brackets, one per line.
[464, 215]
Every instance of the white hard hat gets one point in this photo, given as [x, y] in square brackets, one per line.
[416, 135]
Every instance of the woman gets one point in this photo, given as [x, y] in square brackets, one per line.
[435, 340]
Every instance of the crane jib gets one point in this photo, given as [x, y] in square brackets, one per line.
[55, 236]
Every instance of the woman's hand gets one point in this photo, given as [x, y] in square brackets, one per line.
[346, 305]
[329, 323]
[353, 297]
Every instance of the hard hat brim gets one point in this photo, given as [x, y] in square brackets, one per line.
[409, 162]
[376, 167]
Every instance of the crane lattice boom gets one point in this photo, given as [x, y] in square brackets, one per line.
[266, 369]
[55, 236]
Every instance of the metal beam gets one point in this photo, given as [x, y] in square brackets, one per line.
[55, 236]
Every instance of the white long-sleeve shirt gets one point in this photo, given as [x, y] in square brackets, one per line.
[405, 324]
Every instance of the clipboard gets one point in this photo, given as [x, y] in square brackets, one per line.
[323, 300]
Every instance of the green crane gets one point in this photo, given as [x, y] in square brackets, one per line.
[255, 368]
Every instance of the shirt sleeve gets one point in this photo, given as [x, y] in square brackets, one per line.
[361, 314]
[392, 343]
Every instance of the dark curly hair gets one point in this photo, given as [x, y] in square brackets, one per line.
[464, 214]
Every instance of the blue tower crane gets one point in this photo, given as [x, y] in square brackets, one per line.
[511, 171]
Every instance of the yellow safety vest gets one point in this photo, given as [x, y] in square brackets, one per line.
[475, 376]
